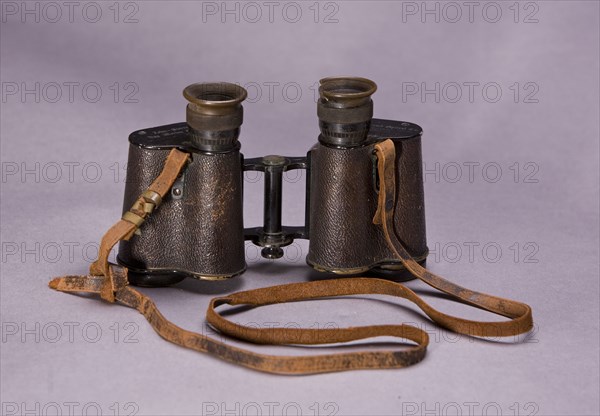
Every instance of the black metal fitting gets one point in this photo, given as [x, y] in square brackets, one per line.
[272, 236]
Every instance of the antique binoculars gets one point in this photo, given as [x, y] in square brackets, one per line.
[199, 230]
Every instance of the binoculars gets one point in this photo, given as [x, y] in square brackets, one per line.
[364, 213]
[199, 230]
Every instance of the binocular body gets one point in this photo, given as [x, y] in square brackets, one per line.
[199, 229]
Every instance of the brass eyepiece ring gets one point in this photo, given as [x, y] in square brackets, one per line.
[215, 98]
[348, 91]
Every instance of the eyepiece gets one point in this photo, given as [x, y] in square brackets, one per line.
[346, 91]
[214, 114]
[345, 110]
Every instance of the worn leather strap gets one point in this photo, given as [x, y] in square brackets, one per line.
[311, 364]
[143, 206]
[110, 281]
[520, 313]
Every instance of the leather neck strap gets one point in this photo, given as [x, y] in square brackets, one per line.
[110, 281]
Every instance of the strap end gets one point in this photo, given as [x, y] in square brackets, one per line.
[54, 283]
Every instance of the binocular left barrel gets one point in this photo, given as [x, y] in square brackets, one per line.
[199, 231]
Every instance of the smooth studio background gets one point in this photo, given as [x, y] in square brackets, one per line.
[533, 227]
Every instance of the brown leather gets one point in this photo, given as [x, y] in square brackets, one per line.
[270, 363]
[343, 199]
[112, 285]
[195, 233]
[520, 313]
[123, 230]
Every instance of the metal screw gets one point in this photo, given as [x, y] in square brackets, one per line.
[274, 160]
[272, 253]
[177, 191]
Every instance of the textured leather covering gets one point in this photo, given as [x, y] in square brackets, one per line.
[200, 234]
[343, 238]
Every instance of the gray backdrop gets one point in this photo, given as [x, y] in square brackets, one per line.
[508, 96]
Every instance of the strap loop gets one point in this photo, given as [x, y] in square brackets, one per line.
[152, 197]
[133, 218]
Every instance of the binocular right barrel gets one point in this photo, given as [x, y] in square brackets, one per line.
[343, 183]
